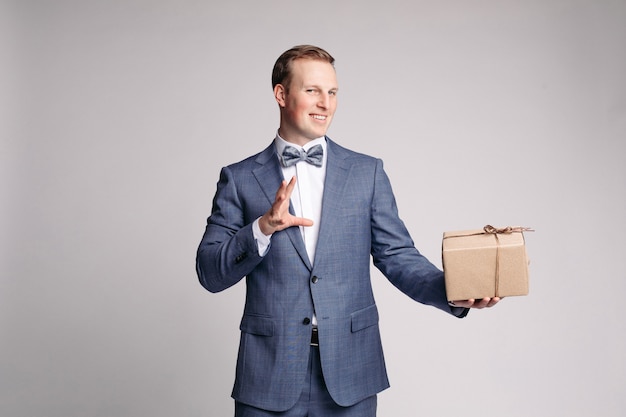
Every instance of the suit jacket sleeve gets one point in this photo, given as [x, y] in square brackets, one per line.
[395, 255]
[228, 250]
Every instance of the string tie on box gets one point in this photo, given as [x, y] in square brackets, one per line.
[505, 230]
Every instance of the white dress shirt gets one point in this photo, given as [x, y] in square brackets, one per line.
[306, 197]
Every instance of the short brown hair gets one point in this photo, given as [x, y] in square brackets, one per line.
[281, 74]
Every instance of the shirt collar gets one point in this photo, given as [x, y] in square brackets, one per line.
[282, 143]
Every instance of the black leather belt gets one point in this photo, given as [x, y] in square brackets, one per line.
[315, 341]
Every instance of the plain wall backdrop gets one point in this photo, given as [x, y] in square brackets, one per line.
[117, 116]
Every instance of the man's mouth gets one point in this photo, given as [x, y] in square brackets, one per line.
[319, 117]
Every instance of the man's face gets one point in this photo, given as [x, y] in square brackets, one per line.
[308, 104]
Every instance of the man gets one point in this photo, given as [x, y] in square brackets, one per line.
[300, 220]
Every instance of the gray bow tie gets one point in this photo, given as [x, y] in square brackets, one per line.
[292, 155]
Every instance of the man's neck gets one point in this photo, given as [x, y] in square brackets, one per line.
[299, 141]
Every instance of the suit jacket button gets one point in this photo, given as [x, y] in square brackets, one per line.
[314, 279]
[306, 321]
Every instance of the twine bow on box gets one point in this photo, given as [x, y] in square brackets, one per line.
[506, 230]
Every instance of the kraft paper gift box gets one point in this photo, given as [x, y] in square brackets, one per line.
[485, 263]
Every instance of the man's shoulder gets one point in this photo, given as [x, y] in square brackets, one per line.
[347, 153]
[254, 160]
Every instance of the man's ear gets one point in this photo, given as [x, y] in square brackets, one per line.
[279, 94]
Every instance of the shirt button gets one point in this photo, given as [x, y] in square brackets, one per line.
[314, 279]
[306, 321]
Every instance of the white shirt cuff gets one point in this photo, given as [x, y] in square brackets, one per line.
[262, 240]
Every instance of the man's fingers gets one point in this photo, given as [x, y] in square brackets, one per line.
[301, 221]
[290, 186]
[493, 301]
[478, 303]
[281, 192]
[284, 191]
[278, 218]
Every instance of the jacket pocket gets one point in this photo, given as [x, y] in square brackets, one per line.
[362, 319]
[260, 326]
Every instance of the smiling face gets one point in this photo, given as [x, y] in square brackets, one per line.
[308, 103]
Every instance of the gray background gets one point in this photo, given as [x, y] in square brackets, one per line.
[117, 116]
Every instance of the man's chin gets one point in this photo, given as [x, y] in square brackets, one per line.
[319, 133]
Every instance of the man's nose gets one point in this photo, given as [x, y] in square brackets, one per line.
[324, 101]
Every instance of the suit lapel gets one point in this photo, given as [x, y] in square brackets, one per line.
[269, 176]
[337, 174]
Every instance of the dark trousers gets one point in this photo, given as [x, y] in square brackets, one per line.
[315, 401]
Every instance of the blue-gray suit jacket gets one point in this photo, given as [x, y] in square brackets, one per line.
[359, 219]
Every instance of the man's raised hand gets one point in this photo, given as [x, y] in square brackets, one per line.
[278, 217]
